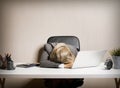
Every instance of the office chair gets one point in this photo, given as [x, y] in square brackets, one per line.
[71, 40]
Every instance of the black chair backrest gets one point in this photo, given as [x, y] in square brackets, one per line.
[72, 40]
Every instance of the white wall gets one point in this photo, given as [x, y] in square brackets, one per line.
[26, 25]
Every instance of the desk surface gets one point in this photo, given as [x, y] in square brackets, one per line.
[37, 72]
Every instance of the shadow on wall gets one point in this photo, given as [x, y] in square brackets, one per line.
[119, 21]
[40, 53]
[1, 26]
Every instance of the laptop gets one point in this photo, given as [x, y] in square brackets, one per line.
[88, 58]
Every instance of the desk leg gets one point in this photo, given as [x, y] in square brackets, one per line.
[2, 82]
[117, 82]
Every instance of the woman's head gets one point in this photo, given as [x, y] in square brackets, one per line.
[61, 53]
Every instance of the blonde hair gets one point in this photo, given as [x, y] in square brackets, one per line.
[62, 54]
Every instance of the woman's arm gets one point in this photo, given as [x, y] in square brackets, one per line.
[44, 62]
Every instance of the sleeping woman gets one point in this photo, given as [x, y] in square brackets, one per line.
[59, 55]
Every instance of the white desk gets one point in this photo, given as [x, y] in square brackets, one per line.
[37, 72]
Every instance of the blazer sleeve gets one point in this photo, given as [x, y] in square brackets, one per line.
[44, 60]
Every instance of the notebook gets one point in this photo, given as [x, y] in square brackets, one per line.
[88, 58]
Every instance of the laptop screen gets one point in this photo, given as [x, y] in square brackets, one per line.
[88, 58]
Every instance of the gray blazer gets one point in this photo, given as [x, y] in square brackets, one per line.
[45, 62]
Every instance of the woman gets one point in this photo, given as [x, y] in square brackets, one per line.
[59, 55]
[48, 56]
